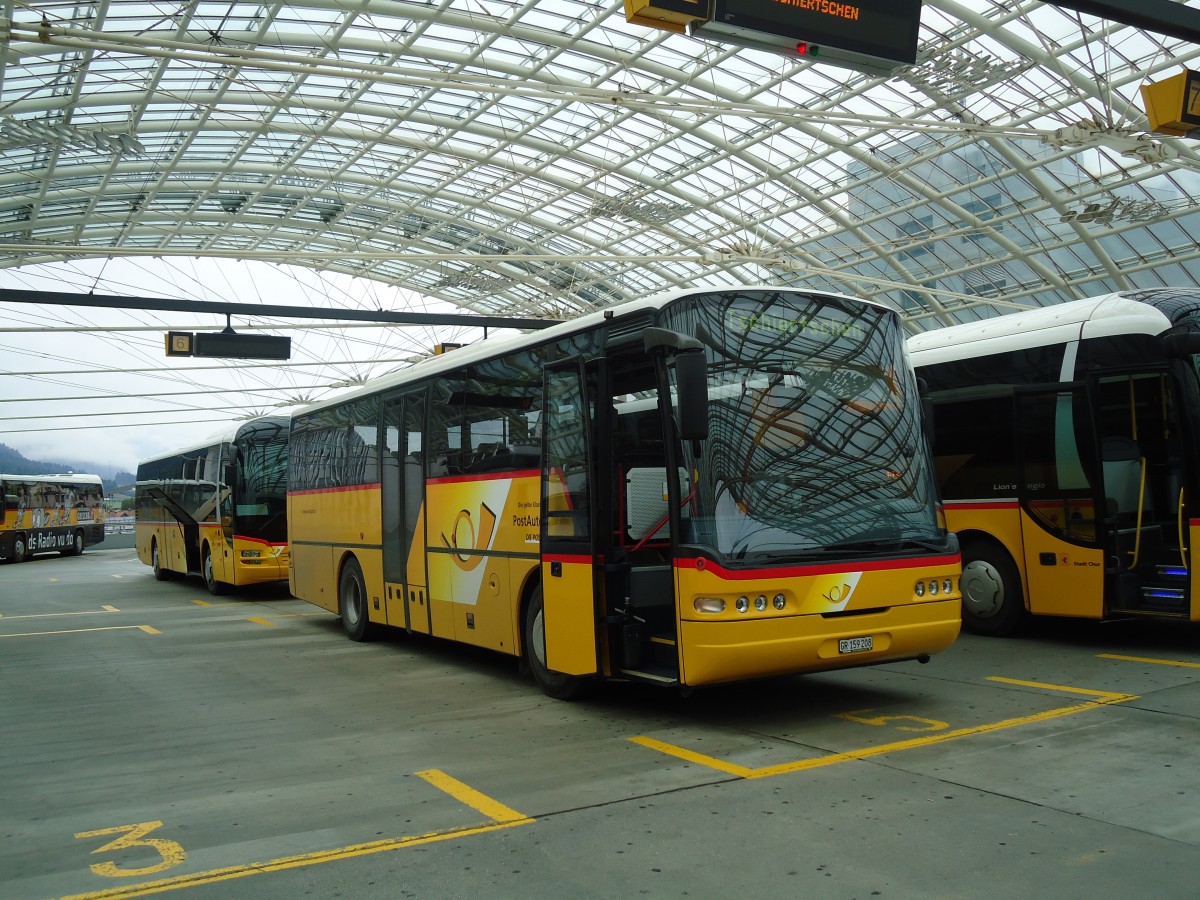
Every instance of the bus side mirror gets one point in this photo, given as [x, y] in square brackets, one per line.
[1180, 344]
[691, 383]
[691, 379]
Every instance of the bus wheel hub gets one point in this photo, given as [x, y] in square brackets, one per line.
[982, 589]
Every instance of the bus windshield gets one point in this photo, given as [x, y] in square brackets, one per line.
[815, 440]
[262, 481]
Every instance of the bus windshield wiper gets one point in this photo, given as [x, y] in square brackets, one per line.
[894, 543]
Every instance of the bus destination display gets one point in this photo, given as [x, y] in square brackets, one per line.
[885, 29]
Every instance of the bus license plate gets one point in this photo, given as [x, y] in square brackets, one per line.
[855, 645]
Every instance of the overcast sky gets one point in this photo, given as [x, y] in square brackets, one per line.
[105, 394]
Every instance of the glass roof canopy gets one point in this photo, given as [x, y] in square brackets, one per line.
[547, 157]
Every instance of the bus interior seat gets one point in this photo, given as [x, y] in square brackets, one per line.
[1122, 461]
[646, 503]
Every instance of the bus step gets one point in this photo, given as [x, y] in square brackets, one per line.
[657, 674]
[1161, 598]
[1167, 572]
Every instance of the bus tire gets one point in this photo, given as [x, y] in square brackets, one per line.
[160, 574]
[216, 588]
[20, 549]
[533, 631]
[992, 601]
[76, 547]
[352, 602]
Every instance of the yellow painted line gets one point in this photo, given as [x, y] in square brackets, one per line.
[208, 603]
[145, 628]
[86, 612]
[468, 796]
[1146, 659]
[260, 621]
[502, 817]
[691, 756]
[1108, 696]
[1102, 698]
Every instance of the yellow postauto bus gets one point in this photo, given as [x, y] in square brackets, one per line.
[217, 509]
[716, 485]
[1066, 451]
[50, 513]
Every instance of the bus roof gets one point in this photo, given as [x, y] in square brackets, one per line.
[66, 478]
[224, 436]
[497, 346]
[1108, 314]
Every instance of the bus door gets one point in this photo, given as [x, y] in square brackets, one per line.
[1062, 507]
[569, 559]
[403, 506]
[1142, 457]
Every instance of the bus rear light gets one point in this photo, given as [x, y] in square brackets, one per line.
[709, 605]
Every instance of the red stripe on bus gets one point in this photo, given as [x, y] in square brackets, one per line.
[488, 476]
[817, 569]
[374, 486]
[253, 540]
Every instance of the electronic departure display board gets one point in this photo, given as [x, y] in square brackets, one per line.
[881, 29]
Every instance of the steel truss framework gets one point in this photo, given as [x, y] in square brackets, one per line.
[546, 157]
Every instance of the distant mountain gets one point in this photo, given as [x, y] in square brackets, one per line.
[13, 463]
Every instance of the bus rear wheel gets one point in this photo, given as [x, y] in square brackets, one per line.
[992, 602]
[20, 551]
[352, 603]
[553, 684]
[216, 588]
[76, 545]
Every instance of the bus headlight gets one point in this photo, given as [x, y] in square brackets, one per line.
[760, 602]
[919, 590]
[947, 586]
[780, 601]
[709, 605]
[933, 588]
[742, 604]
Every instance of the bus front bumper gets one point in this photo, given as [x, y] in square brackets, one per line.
[715, 652]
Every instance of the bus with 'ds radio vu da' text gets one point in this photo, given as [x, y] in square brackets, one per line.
[50, 513]
[218, 509]
[1066, 451]
[712, 486]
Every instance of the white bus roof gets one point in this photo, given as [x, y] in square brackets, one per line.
[497, 346]
[224, 436]
[1109, 314]
[66, 478]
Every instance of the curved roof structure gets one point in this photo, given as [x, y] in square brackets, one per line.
[549, 157]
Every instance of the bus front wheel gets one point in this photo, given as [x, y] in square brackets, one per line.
[352, 603]
[160, 574]
[216, 588]
[553, 684]
[992, 602]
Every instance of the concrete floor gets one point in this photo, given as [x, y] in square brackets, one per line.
[155, 739]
